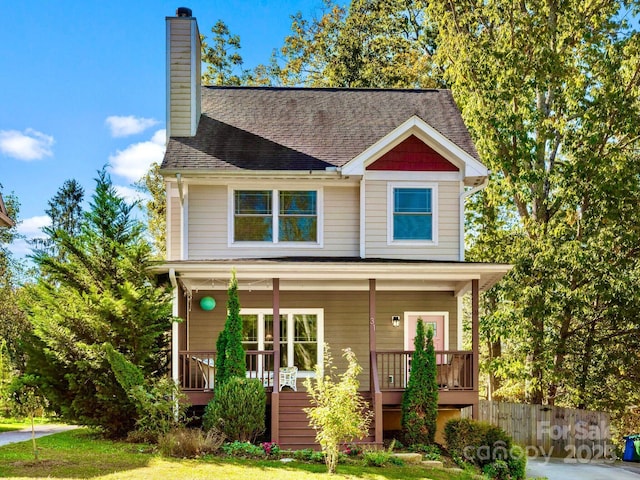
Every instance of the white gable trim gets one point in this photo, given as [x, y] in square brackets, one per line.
[430, 136]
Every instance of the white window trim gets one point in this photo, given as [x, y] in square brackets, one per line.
[391, 186]
[289, 313]
[275, 210]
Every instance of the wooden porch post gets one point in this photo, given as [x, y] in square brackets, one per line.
[372, 314]
[275, 395]
[376, 395]
[475, 342]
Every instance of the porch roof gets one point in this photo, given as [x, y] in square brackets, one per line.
[319, 273]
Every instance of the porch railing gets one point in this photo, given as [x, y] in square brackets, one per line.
[197, 369]
[454, 369]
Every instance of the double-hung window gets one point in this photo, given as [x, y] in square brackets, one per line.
[412, 213]
[301, 335]
[276, 216]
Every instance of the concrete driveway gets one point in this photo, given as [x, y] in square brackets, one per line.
[559, 469]
[25, 434]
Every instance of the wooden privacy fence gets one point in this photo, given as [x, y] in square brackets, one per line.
[549, 430]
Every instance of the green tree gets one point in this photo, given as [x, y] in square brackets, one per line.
[338, 413]
[100, 292]
[13, 321]
[27, 400]
[221, 54]
[160, 404]
[65, 213]
[155, 208]
[550, 91]
[230, 353]
[420, 398]
[381, 44]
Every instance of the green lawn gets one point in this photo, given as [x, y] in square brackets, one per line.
[79, 454]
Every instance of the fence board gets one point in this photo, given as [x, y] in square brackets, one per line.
[550, 430]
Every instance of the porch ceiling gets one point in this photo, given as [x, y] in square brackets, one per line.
[335, 275]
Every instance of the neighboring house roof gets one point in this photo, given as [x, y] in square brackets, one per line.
[269, 128]
[5, 221]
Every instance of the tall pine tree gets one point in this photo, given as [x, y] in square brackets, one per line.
[230, 353]
[99, 292]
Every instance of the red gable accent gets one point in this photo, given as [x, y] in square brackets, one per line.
[413, 155]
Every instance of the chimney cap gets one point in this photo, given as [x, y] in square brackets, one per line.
[183, 12]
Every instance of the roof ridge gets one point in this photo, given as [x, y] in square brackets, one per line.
[325, 89]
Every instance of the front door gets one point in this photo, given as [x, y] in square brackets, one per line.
[437, 321]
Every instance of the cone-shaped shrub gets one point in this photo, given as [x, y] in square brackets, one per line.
[420, 399]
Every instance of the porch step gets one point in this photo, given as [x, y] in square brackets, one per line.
[295, 432]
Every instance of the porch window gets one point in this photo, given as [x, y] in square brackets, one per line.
[412, 213]
[301, 335]
[276, 216]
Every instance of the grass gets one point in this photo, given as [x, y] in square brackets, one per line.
[80, 454]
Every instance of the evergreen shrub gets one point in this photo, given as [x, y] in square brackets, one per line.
[420, 398]
[482, 445]
[238, 409]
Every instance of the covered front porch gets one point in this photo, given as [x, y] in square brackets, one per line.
[363, 305]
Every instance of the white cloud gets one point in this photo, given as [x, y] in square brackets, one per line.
[28, 145]
[129, 125]
[20, 248]
[130, 194]
[134, 161]
[32, 227]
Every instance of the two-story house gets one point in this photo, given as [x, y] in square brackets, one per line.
[342, 213]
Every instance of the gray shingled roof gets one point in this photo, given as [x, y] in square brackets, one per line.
[266, 128]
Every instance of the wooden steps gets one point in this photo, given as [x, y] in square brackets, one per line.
[295, 432]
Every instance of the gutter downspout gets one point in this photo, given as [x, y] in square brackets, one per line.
[175, 375]
[180, 189]
[463, 196]
[363, 218]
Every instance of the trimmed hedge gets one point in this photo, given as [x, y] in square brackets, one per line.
[488, 447]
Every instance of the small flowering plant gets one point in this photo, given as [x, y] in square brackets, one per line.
[270, 448]
[352, 450]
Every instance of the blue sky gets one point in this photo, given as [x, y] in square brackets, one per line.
[82, 84]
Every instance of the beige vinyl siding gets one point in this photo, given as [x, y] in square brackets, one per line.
[396, 303]
[346, 318]
[208, 226]
[174, 215]
[341, 221]
[208, 222]
[448, 225]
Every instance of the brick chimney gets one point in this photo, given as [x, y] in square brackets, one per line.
[183, 74]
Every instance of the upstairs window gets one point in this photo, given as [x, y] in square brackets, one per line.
[276, 216]
[298, 221]
[412, 213]
[253, 219]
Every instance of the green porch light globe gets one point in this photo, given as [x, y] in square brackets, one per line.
[207, 303]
